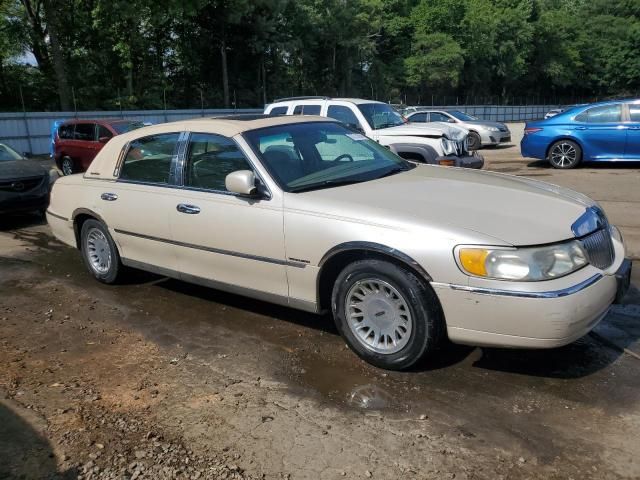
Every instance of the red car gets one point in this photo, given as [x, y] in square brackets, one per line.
[77, 142]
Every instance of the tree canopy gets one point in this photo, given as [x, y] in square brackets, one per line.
[111, 54]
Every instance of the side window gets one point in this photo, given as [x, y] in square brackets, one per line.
[307, 110]
[210, 159]
[634, 112]
[418, 117]
[66, 131]
[104, 132]
[344, 115]
[603, 114]
[149, 159]
[278, 111]
[85, 131]
[439, 117]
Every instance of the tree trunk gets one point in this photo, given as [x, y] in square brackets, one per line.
[59, 66]
[263, 75]
[225, 73]
[37, 36]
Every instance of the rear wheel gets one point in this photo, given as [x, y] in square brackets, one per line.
[386, 314]
[565, 154]
[67, 166]
[99, 252]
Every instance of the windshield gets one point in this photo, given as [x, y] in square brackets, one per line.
[315, 155]
[465, 117]
[380, 115]
[123, 127]
[8, 154]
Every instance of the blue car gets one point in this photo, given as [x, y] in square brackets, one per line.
[598, 132]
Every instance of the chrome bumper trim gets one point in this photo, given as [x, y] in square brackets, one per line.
[55, 215]
[518, 293]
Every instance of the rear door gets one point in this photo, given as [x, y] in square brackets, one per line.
[86, 144]
[632, 147]
[601, 132]
[137, 206]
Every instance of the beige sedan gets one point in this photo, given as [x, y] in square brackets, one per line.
[307, 213]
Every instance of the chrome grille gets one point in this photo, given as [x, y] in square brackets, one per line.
[461, 147]
[21, 186]
[599, 248]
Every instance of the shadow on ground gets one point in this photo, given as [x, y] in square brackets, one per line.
[24, 453]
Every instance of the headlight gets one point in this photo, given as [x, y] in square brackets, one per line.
[523, 264]
[492, 129]
[448, 146]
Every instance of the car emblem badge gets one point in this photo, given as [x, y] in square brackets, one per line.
[17, 186]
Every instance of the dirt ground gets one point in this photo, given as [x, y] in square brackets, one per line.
[156, 378]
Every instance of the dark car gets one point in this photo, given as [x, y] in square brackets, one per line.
[77, 142]
[24, 184]
[600, 132]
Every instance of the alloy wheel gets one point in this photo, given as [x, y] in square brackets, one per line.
[563, 155]
[67, 166]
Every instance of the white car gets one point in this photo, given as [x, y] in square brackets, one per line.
[304, 212]
[436, 143]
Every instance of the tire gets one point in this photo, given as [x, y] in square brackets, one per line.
[474, 141]
[99, 252]
[564, 154]
[405, 306]
[67, 166]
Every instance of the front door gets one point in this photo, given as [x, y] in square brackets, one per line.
[601, 132]
[234, 242]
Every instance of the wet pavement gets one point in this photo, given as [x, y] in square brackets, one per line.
[280, 389]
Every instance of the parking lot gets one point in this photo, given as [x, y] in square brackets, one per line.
[156, 378]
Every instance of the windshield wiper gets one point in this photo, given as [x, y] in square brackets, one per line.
[387, 125]
[395, 170]
[324, 184]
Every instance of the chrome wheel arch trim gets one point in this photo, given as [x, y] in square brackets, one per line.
[373, 247]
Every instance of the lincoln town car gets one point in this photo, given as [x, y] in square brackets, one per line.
[306, 212]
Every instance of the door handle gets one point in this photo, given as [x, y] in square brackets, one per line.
[580, 128]
[190, 209]
[109, 197]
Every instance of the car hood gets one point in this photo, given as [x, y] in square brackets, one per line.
[16, 169]
[513, 210]
[432, 129]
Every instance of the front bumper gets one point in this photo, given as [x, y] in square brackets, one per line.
[27, 202]
[475, 160]
[494, 138]
[539, 319]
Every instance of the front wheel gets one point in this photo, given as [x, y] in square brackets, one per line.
[565, 154]
[474, 141]
[99, 252]
[387, 315]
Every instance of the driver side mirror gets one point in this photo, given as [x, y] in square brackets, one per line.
[104, 139]
[451, 120]
[356, 127]
[242, 182]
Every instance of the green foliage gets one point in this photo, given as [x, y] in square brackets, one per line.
[181, 53]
